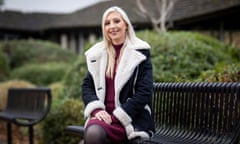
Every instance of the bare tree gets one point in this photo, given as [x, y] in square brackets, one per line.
[164, 10]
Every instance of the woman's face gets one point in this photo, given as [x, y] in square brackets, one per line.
[115, 28]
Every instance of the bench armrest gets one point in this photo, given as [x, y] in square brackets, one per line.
[75, 130]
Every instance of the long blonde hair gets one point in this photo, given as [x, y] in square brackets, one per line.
[130, 35]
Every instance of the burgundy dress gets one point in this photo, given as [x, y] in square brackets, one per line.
[115, 131]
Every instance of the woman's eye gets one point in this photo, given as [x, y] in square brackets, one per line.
[117, 21]
[106, 23]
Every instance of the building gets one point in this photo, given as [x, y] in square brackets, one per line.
[214, 17]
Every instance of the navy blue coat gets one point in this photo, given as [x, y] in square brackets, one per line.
[133, 87]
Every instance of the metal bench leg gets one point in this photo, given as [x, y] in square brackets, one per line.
[9, 133]
[31, 135]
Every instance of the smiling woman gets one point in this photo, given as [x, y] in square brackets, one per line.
[50, 6]
[117, 89]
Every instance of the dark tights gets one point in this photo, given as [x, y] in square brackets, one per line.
[95, 134]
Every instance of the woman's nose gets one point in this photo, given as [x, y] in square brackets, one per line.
[112, 25]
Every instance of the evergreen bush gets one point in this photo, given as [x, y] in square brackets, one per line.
[41, 74]
[57, 93]
[70, 112]
[176, 56]
[22, 52]
[74, 77]
[4, 67]
[183, 56]
[222, 73]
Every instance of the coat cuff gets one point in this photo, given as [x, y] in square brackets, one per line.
[90, 107]
[122, 116]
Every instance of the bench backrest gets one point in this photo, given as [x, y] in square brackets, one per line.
[32, 103]
[206, 107]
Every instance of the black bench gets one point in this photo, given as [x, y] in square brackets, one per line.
[26, 107]
[196, 113]
[193, 113]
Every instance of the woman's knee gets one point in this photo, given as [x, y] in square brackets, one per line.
[95, 134]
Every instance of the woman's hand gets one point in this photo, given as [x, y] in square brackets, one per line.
[104, 116]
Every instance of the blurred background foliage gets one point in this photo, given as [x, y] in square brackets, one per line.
[41, 74]
[20, 52]
[183, 56]
[70, 112]
[176, 56]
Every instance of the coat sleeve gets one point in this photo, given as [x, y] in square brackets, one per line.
[89, 96]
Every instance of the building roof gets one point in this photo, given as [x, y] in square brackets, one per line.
[184, 9]
[91, 16]
[192, 8]
[26, 21]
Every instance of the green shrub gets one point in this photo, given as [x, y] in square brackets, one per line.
[22, 52]
[4, 72]
[57, 93]
[74, 77]
[41, 74]
[183, 56]
[68, 113]
[176, 56]
[222, 73]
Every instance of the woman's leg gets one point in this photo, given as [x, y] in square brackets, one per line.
[95, 134]
[81, 142]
